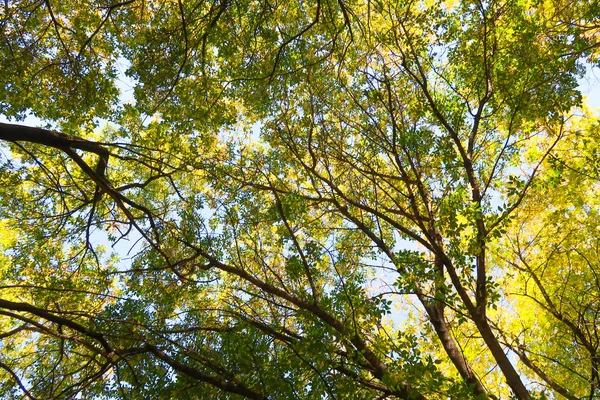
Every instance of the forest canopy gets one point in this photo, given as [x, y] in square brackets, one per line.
[260, 199]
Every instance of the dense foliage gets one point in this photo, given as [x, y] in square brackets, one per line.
[290, 199]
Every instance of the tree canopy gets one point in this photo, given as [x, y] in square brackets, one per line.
[299, 200]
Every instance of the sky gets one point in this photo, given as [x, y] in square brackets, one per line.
[590, 87]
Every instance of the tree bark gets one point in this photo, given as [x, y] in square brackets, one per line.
[57, 140]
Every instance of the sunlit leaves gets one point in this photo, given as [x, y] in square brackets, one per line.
[307, 200]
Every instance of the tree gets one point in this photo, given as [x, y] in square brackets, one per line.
[322, 200]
